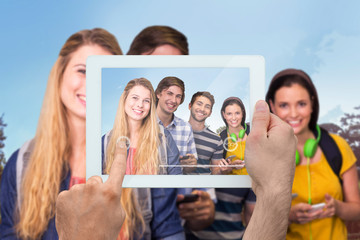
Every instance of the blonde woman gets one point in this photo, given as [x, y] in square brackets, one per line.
[55, 159]
[150, 146]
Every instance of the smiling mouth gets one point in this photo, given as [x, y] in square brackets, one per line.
[138, 112]
[294, 123]
[201, 114]
[171, 106]
[82, 98]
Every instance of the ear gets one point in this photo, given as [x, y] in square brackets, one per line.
[189, 106]
[272, 107]
[223, 114]
[158, 95]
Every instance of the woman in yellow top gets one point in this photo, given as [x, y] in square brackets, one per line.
[293, 97]
[234, 136]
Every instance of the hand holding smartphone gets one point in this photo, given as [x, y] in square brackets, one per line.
[316, 207]
[188, 198]
[229, 158]
[184, 157]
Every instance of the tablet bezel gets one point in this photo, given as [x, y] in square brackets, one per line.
[94, 66]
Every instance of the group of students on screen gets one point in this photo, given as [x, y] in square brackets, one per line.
[54, 160]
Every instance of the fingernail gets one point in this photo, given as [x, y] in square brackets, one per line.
[260, 106]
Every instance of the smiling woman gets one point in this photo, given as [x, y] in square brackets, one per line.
[55, 159]
[328, 175]
[73, 87]
[234, 136]
[150, 146]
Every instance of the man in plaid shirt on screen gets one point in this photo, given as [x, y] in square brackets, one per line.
[170, 93]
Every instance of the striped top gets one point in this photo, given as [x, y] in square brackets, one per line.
[227, 223]
[209, 147]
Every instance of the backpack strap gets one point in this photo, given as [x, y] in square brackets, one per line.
[331, 152]
[223, 136]
[22, 160]
[104, 142]
[143, 195]
[248, 129]
[162, 151]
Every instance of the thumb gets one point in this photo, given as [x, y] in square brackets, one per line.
[327, 197]
[261, 119]
[118, 167]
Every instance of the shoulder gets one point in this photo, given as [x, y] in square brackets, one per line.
[8, 181]
[344, 147]
[347, 154]
[10, 167]
[223, 134]
[340, 141]
[210, 135]
[181, 122]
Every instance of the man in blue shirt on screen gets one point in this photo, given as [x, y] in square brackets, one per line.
[170, 93]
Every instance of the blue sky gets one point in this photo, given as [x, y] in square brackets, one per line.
[320, 37]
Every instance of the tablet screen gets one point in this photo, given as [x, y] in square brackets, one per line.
[222, 76]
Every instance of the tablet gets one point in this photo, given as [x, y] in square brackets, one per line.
[222, 76]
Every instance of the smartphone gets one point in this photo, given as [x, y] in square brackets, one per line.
[316, 207]
[230, 157]
[184, 157]
[188, 198]
[294, 195]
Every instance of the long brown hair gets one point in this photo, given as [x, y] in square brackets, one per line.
[49, 160]
[146, 159]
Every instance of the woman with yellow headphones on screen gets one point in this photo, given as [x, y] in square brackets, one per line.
[326, 181]
[234, 136]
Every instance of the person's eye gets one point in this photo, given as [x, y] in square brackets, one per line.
[198, 103]
[283, 105]
[302, 104]
[178, 96]
[135, 97]
[83, 71]
[147, 100]
[208, 107]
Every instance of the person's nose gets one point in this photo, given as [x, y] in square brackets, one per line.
[140, 103]
[293, 112]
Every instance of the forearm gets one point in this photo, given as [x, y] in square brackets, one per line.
[348, 211]
[270, 217]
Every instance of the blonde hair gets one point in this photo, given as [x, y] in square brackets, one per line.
[146, 160]
[48, 162]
